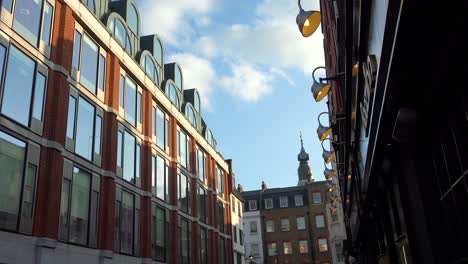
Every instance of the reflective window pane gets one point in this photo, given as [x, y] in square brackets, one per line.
[12, 158]
[153, 127]
[2, 60]
[7, 4]
[84, 129]
[27, 19]
[18, 86]
[185, 241]
[157, 52]
[132, 19]
[64, 208]
[98, 135]
[102, 73]
[137, 161]
[76, 50]
[130, 101]
[119, 32]
[90, 4]
[71, 117]
[126, 223]
[129, 157]
[47, 22]
[89, 60]
[178, 78]
[121, 91]
[182, 148]
[139, 106]
[119, 148]
[160, 177]
[79, 213]
[28, 200]
[149, 67]
[160, 129]
[39, 91]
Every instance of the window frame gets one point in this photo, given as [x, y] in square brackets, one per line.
[33, 123]
[284, 201]
[202, 199]
[323, 221]
[185, 207]
[184, 162]
[254, 203]
[124, 76]
[303, 221]
[250, 227]
[267, 205]
[321, 239]
[284, 227]
[75, 73]
[155, 110]
[314, 201]
[70, 143]
[296, 197]
[301, 247]
[285, 252]
[32, 152]
[154, 179]
[272, 222]
[138, 145]
[120, 190]
[68, 176]
[154, 209]
[8, 17]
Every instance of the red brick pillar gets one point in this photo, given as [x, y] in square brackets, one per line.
[109, 157]
[49, 184]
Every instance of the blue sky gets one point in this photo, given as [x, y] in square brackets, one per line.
[253, 70]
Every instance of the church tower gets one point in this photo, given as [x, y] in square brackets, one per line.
[303, 172]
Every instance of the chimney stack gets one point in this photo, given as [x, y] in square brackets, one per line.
[264, 187]
[240, 189]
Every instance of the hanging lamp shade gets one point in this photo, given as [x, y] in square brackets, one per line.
[320, 90]
[329, 173]
[308, 21]
[323, 132]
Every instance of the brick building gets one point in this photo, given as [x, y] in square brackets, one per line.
[293, 220]
[104, 156]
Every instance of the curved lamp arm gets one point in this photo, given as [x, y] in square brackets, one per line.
[318, 68]
[333, 143]
[299, 4]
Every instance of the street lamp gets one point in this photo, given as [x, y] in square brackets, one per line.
[307, 21]
[320, 89]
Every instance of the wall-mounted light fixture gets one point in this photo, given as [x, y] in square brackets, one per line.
[324, 131]
[307, 21]
[320, 89]
[329, 155]
[329, 173]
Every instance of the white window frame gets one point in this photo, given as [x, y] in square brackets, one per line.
[283, 201]
[299, 198]
[283, 229]
[253, 205]
[268, 203]
[297, 222]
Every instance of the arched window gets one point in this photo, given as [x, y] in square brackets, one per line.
[209, 136]
[150, 69]
[90, 4]
[190, 115]
[120, 34]
[196, 102]
[173, 96]
[178, 77]
[132, 19]
[158, 52]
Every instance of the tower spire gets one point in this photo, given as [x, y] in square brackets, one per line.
[303, 172]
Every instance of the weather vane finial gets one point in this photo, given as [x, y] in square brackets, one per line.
[300, 133]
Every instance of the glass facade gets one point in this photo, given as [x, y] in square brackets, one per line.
[184, 192]
[201, 164]
[161, 128]
[220, 180]
[203, 246]
[183, 149]
[78, 207]
[159, 179]
[30, 18]
[19, 92]
[202, 200]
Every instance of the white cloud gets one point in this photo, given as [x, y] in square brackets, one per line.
[247, 82]
[172, 19]
[197, 73]
[273, 38]
[283, 75]
[206, 46]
